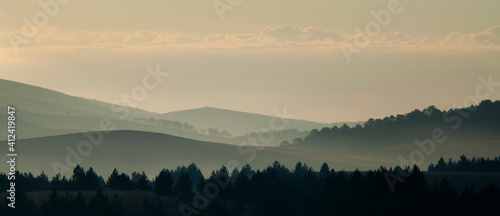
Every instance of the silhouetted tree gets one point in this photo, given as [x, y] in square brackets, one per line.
[324, 172]
[221, 177]
[119, 181]
[91, 180]
[184, 185]
[163, 183]
[277, 191]
[464, 164]
[42, 182]
[77, 181]
[398, 129]
[142, 182]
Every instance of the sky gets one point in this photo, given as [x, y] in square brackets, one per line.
[325, 60]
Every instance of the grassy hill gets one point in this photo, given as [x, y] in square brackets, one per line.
[45, 101]
[238, 123]
[474, 124]
[43, 112]
[145, 151]
[150, 152]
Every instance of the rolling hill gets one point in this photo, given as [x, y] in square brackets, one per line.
[145, 151]
[239, 123]
[43, 112]
[45, 101]
[48, 122]
[137, 151]
[477, 123]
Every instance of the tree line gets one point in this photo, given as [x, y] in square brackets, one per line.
[278, 190]
[476, 122]
[464, 164]
[89, 180]
[182, 127]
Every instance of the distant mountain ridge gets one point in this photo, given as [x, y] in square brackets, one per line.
[44, 112]
[479, 122]
[46, 101]
[239, 123]
[57, 120]
[150, 152]
[139, 150]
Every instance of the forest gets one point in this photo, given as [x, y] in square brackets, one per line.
[182, 127]
[276, 190]
[476, 122]
[476, 164]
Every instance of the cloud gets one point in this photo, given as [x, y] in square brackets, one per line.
[141, 37]
[284, 36]
[291, 33]
[489, 37]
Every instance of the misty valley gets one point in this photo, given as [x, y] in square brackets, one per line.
[249, 108]
[212, 161]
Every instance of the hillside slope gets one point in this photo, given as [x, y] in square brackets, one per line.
[43, 112]
[137, 151]
[239, 123]
[41, 100]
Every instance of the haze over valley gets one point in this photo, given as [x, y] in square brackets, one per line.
[249, 108]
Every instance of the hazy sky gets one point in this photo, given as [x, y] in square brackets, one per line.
[262, 55]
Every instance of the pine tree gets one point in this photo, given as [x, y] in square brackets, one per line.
[91, 180]
[119, 181]
[163, 183]
[78, 178]
[143, 182]
[184, 185]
